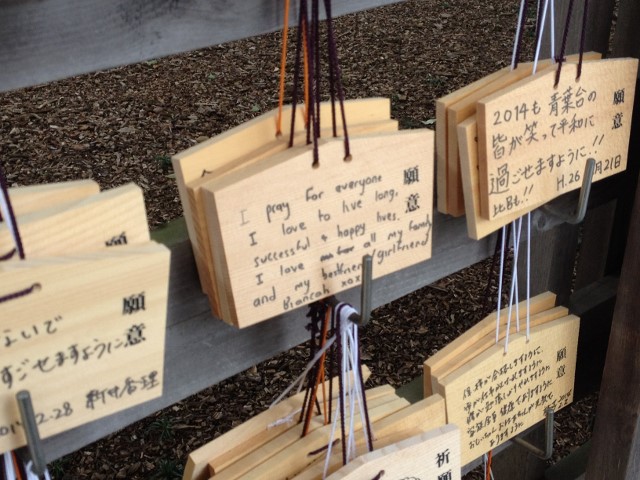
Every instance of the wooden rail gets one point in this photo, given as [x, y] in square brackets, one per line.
[46, 40]
[202, 350]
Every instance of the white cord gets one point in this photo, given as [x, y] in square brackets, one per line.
[514, 277]
[353, 333]
[8, 466]
[352, 387]
[500, 277]
[528, 275]
[334, 424]
[542, 22]
[484, 466]
[515, 301]
[4, 209]
[33, 476]
[284, 420]
[299, 381]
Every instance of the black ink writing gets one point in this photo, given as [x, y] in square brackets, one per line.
[133, 304]
[127, 388]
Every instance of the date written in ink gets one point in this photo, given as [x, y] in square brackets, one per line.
[57, 413]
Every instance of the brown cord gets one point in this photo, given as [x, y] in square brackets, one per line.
[582, 36]
[283, 65]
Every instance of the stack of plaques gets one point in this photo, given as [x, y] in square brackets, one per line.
[84, 311]
[513, 141]
[270, 233]
[493, 393]
[270, 444]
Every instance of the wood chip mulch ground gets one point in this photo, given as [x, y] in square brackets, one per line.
[124, 124]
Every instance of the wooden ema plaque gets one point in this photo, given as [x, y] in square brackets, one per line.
[247, 143]
[196, 200]
[462, 108]
[433, 455]
[88, 342]
[442, 168]
[460, 111]
[436, 363]
[291, 234]
[415, 419]
[475, 349]
[534, 139]
[255, 432]
[289, 453]
[495, 396]
[31, 198]
[477, 226]
[113, 217]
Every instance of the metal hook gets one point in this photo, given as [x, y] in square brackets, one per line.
[548, 443]
[31, 431]
[578, 215]
[363, 318]
[365, 290]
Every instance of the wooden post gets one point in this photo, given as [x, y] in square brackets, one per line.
[553, 252]
[625, 43]
[599, 18]
[615, 452]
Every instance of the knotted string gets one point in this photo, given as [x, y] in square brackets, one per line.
[351, 387]
[342, 347]
[311, 44]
